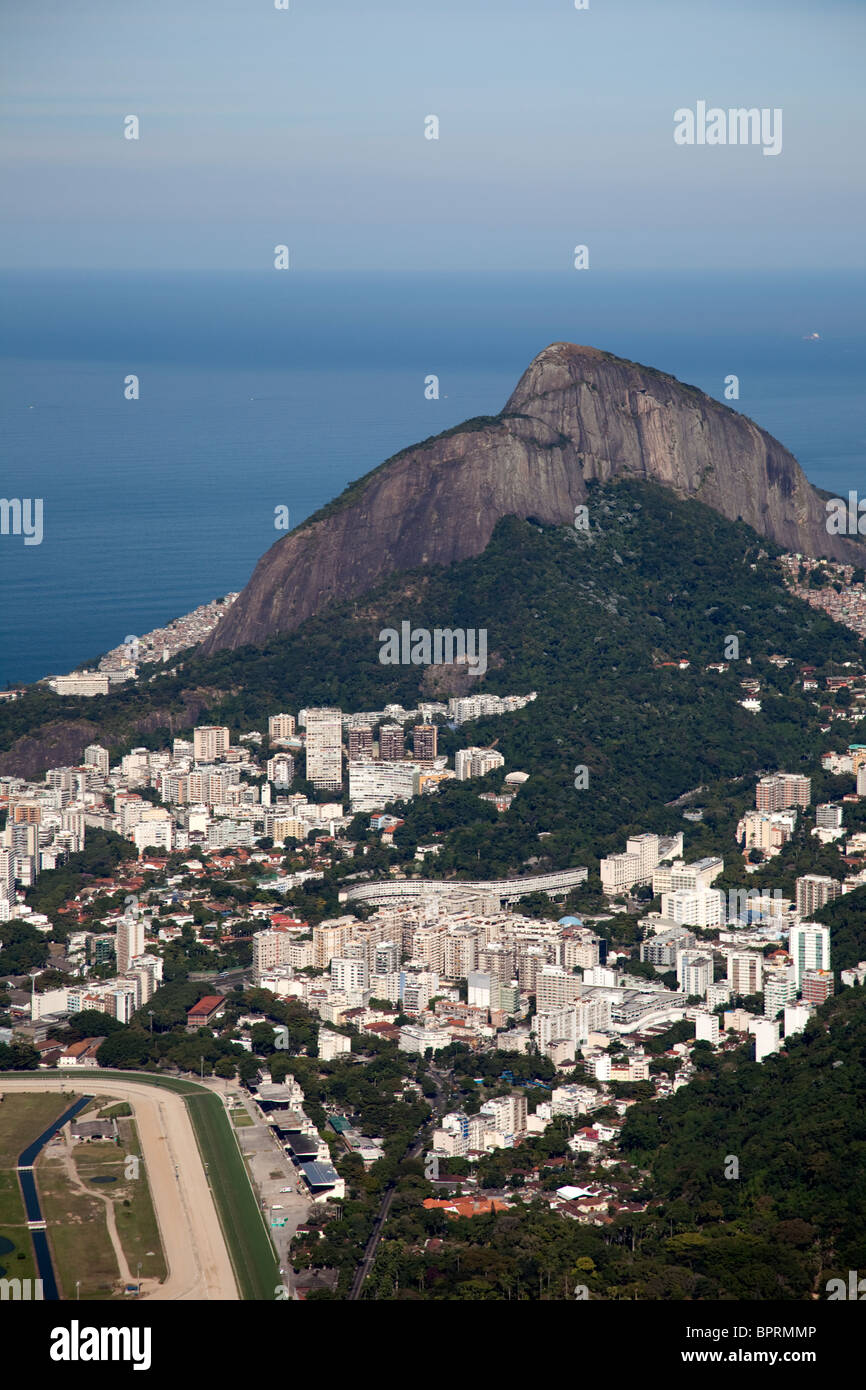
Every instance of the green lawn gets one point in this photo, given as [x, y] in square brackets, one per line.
[81, 1249]
[23, 1117]
[19, 1262]
[247, 1239]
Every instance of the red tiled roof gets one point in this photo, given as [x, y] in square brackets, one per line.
[207, 1004]
[466, 1206]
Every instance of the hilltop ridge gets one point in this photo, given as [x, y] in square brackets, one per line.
[578, 415]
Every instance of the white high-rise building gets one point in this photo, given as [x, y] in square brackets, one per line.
[332, 1045]
[387, 957]
[619, 872]
[476, 762]
[210, 742]
[155, 830]
[97, 756]
[780, 988]
[694, 972]
[796, 1018]
[555, 987]
[130, 941]
[699, 908]
[281, 726]
[766, 1038]
[324, 749]
[349, 974]
[7, 875]
[745, 972]
[707, 1028]
[281, 770]
[373, 784]
[134, 767]
[646, 847]
[813, 891]
[809, 946]
[270, 949]
[555, 1025]
[478, 989]
[417, 988]
[766, 831]
[679, 876]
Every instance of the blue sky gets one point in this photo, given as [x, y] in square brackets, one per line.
[305, 127]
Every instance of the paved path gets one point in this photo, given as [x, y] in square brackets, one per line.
[195, 1250]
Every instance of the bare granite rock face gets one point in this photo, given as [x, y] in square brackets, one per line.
[576, 414]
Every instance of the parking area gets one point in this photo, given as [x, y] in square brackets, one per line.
[272, 1171]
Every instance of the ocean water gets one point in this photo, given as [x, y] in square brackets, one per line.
[260, 391]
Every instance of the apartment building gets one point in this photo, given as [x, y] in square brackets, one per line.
[417, 1037]
[745, 972]
[707, 1028]
[360, 745]
[661, 950]
[373, 783]
[476, 762]
[809, 946]
[813, 891]
[646, 848]
[424, 742]
[679, 876]
[417, 988]
[817, 986]
[324, 748]
[555, 1024]
[349, 974]
[694, 908]
[619, 873]
[694, 972]
[210, 743]
[97, 756]
[555, 987]
[766, 831]
[498, 960]
[130, 941]
[155, 830]
[281, 770]
[281, 726]
[574, 1100]
[783, 790]
[767, 1038]
[507, 1114]
[280, 946]
[779, 987]
[460, 953]
[391, 742]
[828, 816]
[330, 937]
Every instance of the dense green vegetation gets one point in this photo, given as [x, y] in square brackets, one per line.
[846, 918]
[103, 853]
